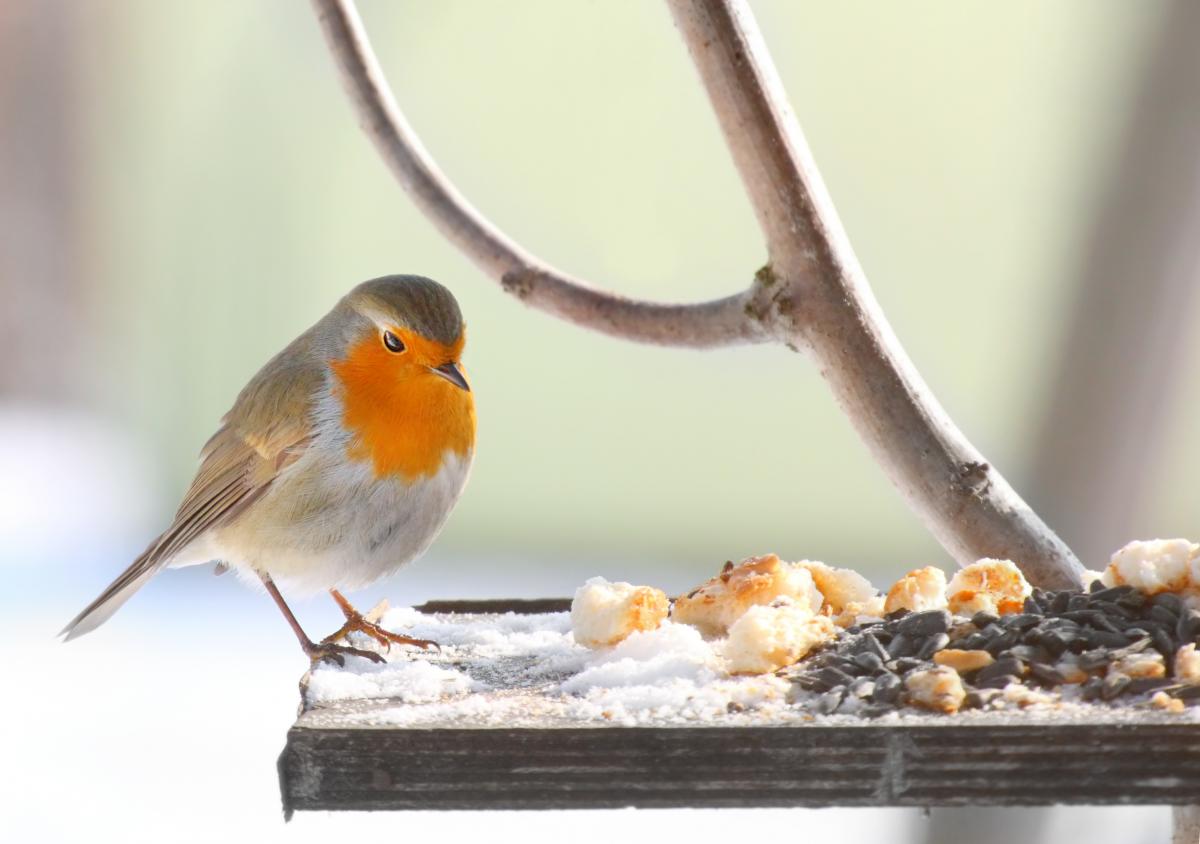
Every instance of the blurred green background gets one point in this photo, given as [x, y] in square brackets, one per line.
[223, 198]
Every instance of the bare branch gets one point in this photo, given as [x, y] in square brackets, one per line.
[721, 322]
[968, 506]
[963, 500]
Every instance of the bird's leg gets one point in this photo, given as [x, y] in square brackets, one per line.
[314, 651]
[356, 622]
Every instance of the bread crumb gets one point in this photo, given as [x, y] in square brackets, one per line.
[604, 613]
[1072, 674]
[1147, 664]
[920, 589]
[1162, 700]
[767, 638]
[1156, 565]
[715, 606]
[936, 688]
[848, 595]
[963, 661]
[1187, 665]
[994, 586]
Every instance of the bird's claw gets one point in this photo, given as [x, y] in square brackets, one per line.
[358, 624]
[327, 650]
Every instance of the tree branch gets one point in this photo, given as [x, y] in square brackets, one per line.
[718, 323]
[965, 502]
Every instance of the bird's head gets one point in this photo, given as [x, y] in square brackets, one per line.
[400, 377]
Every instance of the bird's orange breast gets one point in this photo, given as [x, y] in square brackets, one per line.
[405, 420]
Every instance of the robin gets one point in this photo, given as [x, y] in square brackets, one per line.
[338, 464]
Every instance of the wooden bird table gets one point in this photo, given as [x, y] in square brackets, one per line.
[349, 755]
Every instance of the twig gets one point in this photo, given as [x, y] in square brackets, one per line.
[812, 293]
[717, 323]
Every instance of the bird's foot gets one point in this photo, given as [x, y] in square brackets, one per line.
[327, 650]
[355, 623]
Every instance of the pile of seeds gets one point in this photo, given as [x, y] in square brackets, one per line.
[1105, 644]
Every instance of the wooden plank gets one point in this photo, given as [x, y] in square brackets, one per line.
[932, 762]
[520, 606]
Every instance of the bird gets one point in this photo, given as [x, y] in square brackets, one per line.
[339, 462]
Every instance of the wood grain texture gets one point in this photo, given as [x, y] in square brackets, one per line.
[1148, 760]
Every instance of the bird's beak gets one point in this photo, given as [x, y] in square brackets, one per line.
[451, 373]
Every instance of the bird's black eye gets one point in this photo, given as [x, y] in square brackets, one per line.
[393, 343]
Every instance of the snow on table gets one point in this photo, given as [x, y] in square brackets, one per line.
[509, 669]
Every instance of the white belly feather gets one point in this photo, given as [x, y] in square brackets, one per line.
[328, 522]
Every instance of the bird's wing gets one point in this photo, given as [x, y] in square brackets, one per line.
[267, 429]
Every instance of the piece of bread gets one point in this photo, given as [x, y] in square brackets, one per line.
[993, 586]
[772, 636]
[715, 606]
[604, 613]
[919, 590]
[1156, 565]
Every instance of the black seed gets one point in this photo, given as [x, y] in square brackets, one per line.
[1003, 642]
[1059, 601]
[862, 687]
[1046, 674]
[1032, 606]
[831, 677]
[830, 701]
[901, 645]
[997, 682]
[1163, 616]
[1098, 658]
[1139, 632]
[1029, 653]
[1188, 693]
[979, 698]
[1104, 639]
[869, 661]
[869, 644]
[887, 688]
[811, 683]
[999, 668]
[974, 642]
[1092, 688]
[1021, 621]
[1147, 684]
[845, 664]
[1112, 593]
[1134, 600]
[1095, 586]
[1057, 641]
[1189, 624]
[1114, 685]
[1170, 602]
[1083, 617]
[1163, 643]
[1077, 602]
[932, 645]
[906, 664]
[1132, 648]
[921, 624]
[982, 619]
[1102, 622]
[1114, 611]
[895, 615]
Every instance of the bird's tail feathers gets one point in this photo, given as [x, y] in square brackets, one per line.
[117, 593]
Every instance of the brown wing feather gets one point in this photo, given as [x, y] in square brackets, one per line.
[267, 429]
